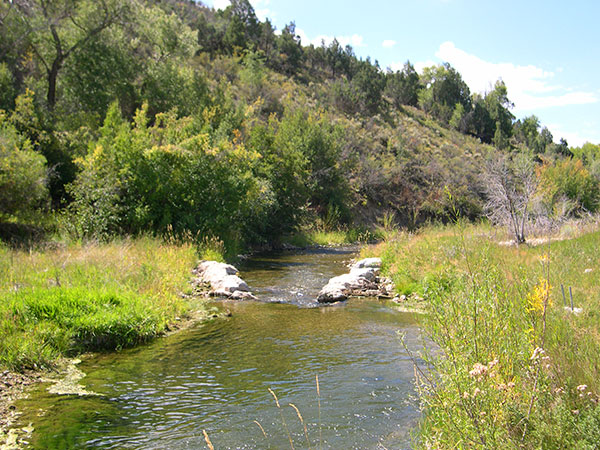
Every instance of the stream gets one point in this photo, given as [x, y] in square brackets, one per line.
[216, 376]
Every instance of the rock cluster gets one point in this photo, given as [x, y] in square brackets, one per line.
[363, 280]
[223, 280]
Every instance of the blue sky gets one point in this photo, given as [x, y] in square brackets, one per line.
[547, 52]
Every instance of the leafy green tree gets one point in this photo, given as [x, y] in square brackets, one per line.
[478, 120]
[59, 28]
[498, 106]
[301, 159]
[289, 50]
[104, 69]
[458, 118]
[588, 153]
[33, 123]
[402, 87]
[444, 88]
[569, 179]
[22, 172]
[527, 132]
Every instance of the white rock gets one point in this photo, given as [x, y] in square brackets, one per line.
[223, 280]
[230, 284]
[575, 311]
[367, 262]
[368, 273]
[339, 287]
[239, 295]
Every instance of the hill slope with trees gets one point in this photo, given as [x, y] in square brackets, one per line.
[132, 115]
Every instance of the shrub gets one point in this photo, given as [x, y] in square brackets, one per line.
[167, 176]
[569, 179]
[22, 172]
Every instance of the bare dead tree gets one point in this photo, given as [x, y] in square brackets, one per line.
[510, 186]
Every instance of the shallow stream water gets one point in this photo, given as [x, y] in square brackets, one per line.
[216, 376]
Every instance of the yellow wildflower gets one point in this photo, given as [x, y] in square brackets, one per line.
[539, 298]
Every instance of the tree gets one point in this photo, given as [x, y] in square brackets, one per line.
[22, 172]
[403, 86]
[478, 121]
[368, 85]
[510, 186]
[336, 58]
[444, 88]
[289, 49]
[498, 106]
[242, 25]
[528, 133]
[266, 42]
[59, 28]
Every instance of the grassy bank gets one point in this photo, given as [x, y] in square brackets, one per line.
[76, 298]
[317, 236]
[510, 367]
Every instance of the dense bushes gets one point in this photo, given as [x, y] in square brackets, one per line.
[22, 172]
[140, 177]
[173, 175]
[569, 180]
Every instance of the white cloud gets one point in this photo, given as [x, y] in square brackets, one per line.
[260, 7]
[221, 4]
[529, 87]
[355, 40]
[587, 133]
[419, 66]
[388, 43]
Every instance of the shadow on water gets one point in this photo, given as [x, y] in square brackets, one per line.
[216, 376]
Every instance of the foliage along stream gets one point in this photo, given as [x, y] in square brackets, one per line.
[215, 377]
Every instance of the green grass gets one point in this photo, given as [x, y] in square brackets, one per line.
[316, 236]
[88, 297]
[485, 384]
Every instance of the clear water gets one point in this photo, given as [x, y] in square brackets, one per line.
[215, 377]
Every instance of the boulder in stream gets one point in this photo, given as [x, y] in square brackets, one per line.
[223, 280]
[363, 280]
[367, 263]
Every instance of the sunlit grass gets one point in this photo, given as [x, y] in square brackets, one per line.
[312, 236]
[85, 297]
[511, 367]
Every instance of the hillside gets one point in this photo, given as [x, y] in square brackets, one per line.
[129, 116]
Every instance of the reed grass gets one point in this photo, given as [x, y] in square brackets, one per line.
[322, 237]
[207, 440]
[295, 408]
[287, 430]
